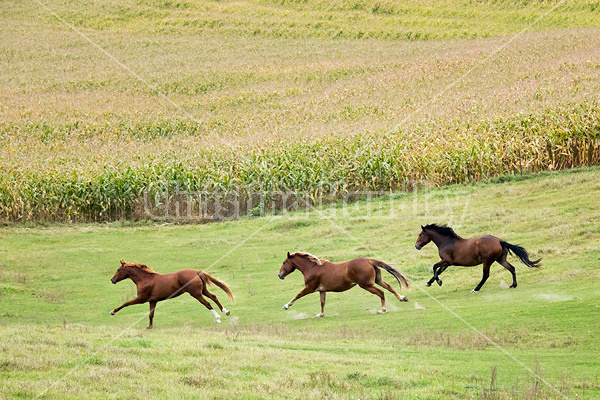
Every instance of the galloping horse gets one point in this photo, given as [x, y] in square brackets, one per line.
[153, 287]
[323, 276]
[455, 250]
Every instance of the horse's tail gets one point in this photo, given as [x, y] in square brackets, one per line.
[521, 253]
[395, 273]
[210, 280]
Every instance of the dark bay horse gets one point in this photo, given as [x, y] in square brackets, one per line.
[153, 287]
[323, 276]
[455, 250]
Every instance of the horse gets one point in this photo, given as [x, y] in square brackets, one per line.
[486, 250]
[323, 276]
[153, 287]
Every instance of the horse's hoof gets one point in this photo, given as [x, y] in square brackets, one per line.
[439, 282]
[404, 298]
[427, 284]
[382, 311]
[112, 313]
[285, 307]
[218, 321]
[512, 286]
[473, 291]
[320, 315]
[148, 327]
[227, 312]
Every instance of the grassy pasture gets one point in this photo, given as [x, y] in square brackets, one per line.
[294, 94]
[258, 90]
[58, 339]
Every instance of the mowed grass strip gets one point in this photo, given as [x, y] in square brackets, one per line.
[56, 295]
[363, 19]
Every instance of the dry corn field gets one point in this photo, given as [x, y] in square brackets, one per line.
[101, 101]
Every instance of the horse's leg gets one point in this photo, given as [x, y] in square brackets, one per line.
[137, 300]
[378, 292]
[151, 315]
[215, 300]
[302, 293]
[389, 287]
[322, 305]
[429, 282]
[486, 274]
[509, 267]
[436, 267]
[439, 272]
[198, 296]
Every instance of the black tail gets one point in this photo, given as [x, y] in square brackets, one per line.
[521, 253]
[397, 274]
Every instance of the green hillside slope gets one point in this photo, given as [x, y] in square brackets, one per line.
[537, 341]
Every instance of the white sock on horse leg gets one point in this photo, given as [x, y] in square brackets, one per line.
[217, 316]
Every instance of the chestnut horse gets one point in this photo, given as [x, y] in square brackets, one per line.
[153, 287]
[323, 276]
[455, 250]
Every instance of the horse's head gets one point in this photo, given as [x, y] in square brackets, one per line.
[287, 267]
[423, 239]
[120, 274]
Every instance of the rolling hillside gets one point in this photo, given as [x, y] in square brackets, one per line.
[537, 341]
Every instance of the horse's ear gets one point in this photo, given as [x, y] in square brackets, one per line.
[122, 262]
[289, 255]
[422, 228]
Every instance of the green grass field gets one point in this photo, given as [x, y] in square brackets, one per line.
[58, 341]
[103, 100]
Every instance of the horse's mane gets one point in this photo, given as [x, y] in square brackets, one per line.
[311, 257]
[143, 267]
[443, 230]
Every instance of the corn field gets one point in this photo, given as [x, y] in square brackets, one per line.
[372, 161]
